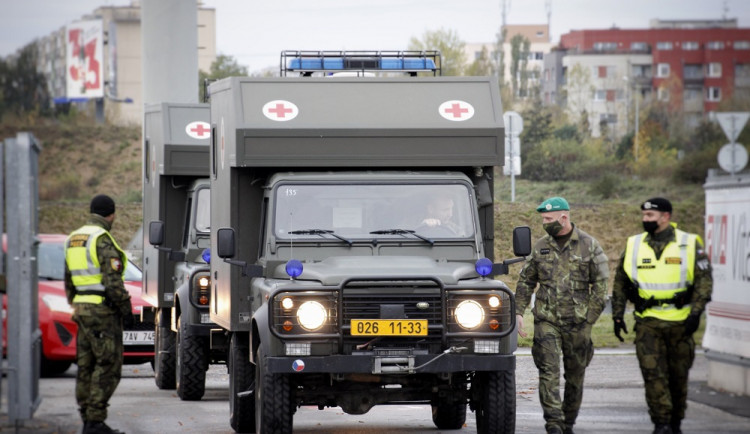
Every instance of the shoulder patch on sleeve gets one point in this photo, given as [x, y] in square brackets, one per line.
[544, 251]
[116, 264]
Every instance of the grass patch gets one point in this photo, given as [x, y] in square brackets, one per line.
[602, 333]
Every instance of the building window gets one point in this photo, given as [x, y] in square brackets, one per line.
[714, 69]
[713, 94]
[692, 72]
[536, 55]
[742, 45]
[600, 95]
[662, 70]
[690, 45]
[638, 46]
[663, 94]
[715, 45]
[605, 46]
[606, 71]
[663, 45]
[643, 71]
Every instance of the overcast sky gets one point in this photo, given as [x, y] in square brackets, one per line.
[256, 31]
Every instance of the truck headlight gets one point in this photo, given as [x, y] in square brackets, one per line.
[311, 315]
[201, 290]
[469, 314]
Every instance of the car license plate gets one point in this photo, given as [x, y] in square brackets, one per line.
[138, 337]
[389, 327]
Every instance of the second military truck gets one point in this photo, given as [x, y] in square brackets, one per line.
[176, 213]
[354, 217]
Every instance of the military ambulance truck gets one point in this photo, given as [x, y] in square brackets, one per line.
[354, 217]
[176, 213]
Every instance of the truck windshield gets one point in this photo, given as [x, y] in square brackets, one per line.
[374, 211]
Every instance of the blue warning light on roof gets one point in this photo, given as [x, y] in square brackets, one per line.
[331, 61]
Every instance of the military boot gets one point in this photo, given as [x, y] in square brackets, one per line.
[101, 428]
[663, 428]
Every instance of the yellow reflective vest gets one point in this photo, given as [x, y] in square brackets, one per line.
[83, 263]
[664, 277]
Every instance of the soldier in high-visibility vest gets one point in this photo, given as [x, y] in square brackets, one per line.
[666, 274]
[94, 266]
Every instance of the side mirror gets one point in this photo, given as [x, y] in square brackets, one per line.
[522, 241]
[156, 233]
[225, 243]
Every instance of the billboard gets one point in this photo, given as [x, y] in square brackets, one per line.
[728, 247]
[84, 59]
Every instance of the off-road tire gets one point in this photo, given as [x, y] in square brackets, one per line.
[241, 376]
[191, 365]
[448, 413]
[164, 357]
[495, 402]
[273, 399]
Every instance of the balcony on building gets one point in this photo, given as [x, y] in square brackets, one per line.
[692, 75]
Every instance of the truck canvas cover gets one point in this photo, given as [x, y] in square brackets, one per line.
[358, 122]
[176, 143]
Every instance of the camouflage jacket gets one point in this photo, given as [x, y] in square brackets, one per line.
[117, 297]
[702, 279]
[572, 280]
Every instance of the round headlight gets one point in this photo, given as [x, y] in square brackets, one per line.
[311, 315]
[287, 303]
[494, 301]
[469, 314]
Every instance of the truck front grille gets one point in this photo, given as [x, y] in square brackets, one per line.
[378, 301]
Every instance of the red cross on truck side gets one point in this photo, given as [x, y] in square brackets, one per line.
[456, 110]
[199, 130]
[280, 110]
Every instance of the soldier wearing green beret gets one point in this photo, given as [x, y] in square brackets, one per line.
[667, 275]
[571, 271]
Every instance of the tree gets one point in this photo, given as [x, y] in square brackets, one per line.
[224, 66]
[22, 88]
[450, 46]
[519, 53]
[481, 66]
[579, 92]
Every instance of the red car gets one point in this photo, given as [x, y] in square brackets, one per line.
[57, 327]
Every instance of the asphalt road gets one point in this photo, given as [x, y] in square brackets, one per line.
[613, 403]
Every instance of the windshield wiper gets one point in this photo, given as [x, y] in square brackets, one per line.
[320, 232]
[402, 232]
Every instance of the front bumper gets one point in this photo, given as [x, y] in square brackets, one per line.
[370, 364]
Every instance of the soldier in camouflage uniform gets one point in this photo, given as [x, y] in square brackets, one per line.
[571, 270]
[668, 278]
[94, 265]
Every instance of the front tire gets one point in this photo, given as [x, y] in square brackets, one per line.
[495, 402]
[449, 413]
[241, 376]
[164, 356]
[273, 399]
[191, 365]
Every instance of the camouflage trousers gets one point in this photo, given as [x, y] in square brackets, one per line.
[99, 359]
[574, 343]
[665, 357]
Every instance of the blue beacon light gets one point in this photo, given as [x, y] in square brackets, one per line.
[206, 255]
[483, 267]
[294, 268]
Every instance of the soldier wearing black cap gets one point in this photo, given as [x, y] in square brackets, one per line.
[94, 265]
[666, 274]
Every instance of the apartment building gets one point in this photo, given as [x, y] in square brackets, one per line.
[530, 66]
[121, 101]
[694, 66]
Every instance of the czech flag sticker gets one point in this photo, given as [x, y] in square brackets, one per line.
[298, 365]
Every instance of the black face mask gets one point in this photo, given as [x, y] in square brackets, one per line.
[553, 228]
[650, 227]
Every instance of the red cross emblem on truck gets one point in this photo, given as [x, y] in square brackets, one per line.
[455, 110]
[280, 110]
[198, 130]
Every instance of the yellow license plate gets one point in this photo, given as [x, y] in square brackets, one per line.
[389, 327]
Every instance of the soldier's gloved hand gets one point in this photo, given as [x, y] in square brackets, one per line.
[691, 324]
[620, 326]
[128, 321]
